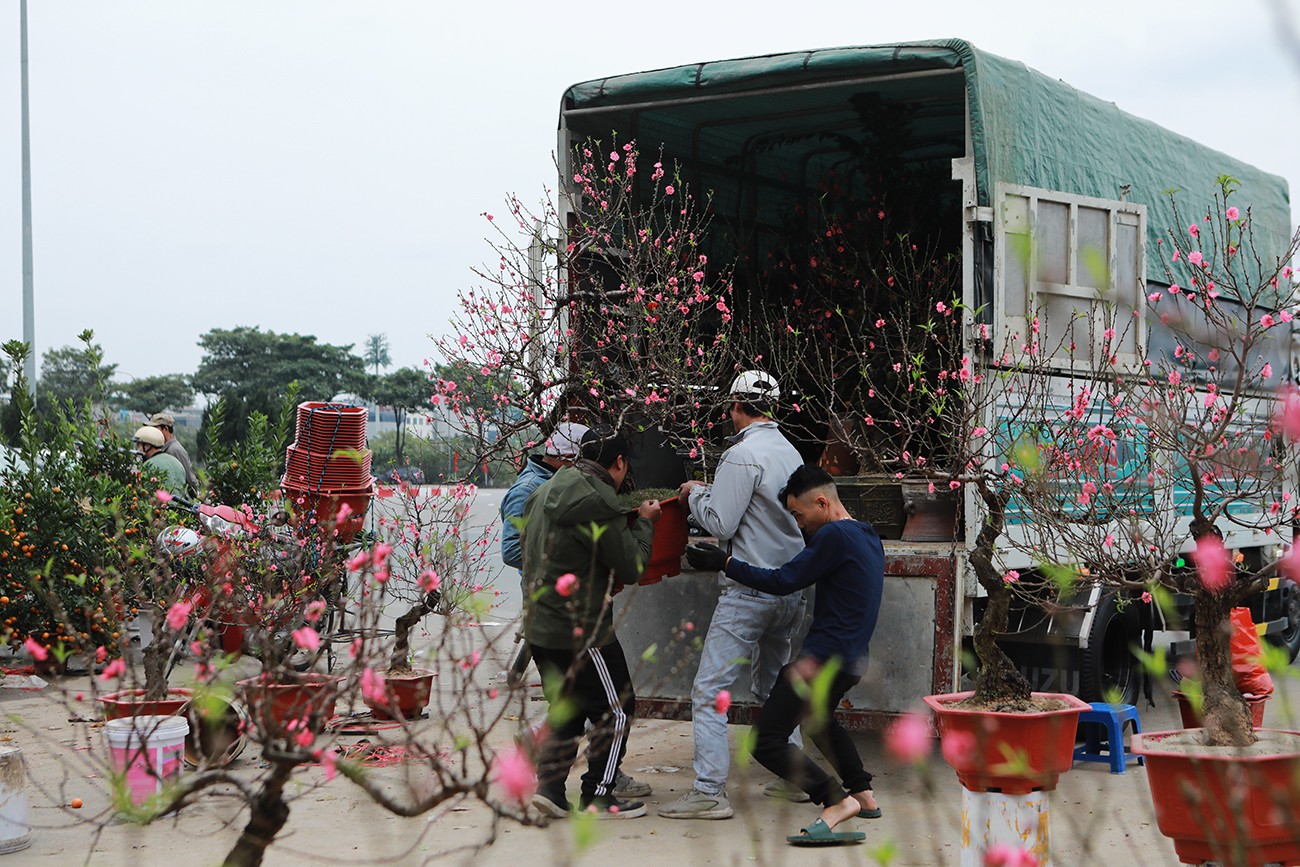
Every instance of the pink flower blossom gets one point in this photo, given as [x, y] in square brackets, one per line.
[429, 580]
[514, 773]
[1232, 213]
[1146, 596]
[1266, 372]
[315, 609]
[116, 668]
[566, 584]
[1213, 563]
[1011, 577]
[1195, 258]
[178, 615]
[162, 496]
[1003, 855]
[956, 746]
[328, 763]
[1194, 230]
[722, 701]
[1287, 419]
[668, 190]
[372, 686]
[1267, 321]
[908, 738]
[38, 651]
[306, 638]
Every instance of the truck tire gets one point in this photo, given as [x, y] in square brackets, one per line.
[1289, 638]
[1107, 664]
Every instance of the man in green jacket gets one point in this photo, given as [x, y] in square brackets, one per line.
[578, 551]
[165, 471]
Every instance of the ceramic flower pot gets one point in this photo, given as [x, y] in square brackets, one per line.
[405, 695]
[1014, 753]
[1229, 806]
[131, 702]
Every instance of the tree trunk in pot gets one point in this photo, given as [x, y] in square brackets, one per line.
[1225, 717]
[998, 678]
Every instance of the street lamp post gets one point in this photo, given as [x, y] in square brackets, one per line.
[29, 315]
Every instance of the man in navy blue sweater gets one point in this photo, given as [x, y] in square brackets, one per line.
[846, 562]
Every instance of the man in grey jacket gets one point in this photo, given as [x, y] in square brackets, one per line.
[743, 511]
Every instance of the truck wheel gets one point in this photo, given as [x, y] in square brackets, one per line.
[1107, 664]
[1289, 637]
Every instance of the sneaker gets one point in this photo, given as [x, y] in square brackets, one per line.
[551, 802]
[786, 792]
[611, 807]
[625, 787]
[697, 805]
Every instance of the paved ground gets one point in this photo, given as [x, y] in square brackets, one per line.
[1097, 818]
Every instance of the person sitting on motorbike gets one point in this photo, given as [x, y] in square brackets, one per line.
[162, 468]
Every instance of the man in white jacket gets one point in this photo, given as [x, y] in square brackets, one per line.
[742, 510]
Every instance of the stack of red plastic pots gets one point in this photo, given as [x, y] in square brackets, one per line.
[328, 466]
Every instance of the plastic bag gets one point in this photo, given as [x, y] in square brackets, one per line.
[1247, 663]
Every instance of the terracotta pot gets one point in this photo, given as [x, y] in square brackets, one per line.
[405, 695]
[1223, 805]
[281, 708]
[1192, 719]
[131, 702]
[323, 505]
[1015, 753]
[669, 543]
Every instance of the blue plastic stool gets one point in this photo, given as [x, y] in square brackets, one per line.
[1111, 717]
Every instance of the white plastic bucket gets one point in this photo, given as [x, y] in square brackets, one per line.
[15, 830]
[147, 751]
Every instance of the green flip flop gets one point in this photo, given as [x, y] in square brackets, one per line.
[820, 834]
[870, 814]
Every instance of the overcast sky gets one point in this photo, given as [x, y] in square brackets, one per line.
[321, 167]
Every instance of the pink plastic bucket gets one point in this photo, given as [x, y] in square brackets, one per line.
[147, 751]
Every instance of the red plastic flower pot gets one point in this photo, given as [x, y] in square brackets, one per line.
[405, 695]
[1231, 806]
[131, 702]
[669, 544]
[323, 505]
[282, 708]
[1014, 753]
[328, 427]
[1192, 719]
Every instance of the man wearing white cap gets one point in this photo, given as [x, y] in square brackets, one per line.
[172, 446]
[165, 471]
[744, 511]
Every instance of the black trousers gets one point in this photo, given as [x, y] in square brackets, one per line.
[593, 686]
[783, 711]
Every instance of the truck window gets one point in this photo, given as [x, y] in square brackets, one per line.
[1077, 265]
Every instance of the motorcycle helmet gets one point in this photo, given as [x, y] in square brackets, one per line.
[179, 541]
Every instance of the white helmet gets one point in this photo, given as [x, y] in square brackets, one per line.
[178, 541]
[756, 386]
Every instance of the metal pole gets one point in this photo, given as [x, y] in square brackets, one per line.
[29, 315]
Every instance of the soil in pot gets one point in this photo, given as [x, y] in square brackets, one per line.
[406, 694]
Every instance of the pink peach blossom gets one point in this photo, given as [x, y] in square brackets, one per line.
[908, 738]
[178, 615]
[566, 584]
[306, 638]
[515, 774]
[722, 701]
[116, 668]
[38, 651]
[1213, 563]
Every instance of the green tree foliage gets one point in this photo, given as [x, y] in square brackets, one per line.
[150, 394]
[251, 370]
[376, 353]
[405, 390]
[249, 469]
[75, 373]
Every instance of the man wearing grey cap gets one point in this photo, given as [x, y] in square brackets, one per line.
[563, 447]
[172, 446]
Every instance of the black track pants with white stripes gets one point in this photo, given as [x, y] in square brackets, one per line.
[586, 685]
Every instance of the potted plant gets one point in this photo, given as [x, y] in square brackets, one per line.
[1184, 493]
